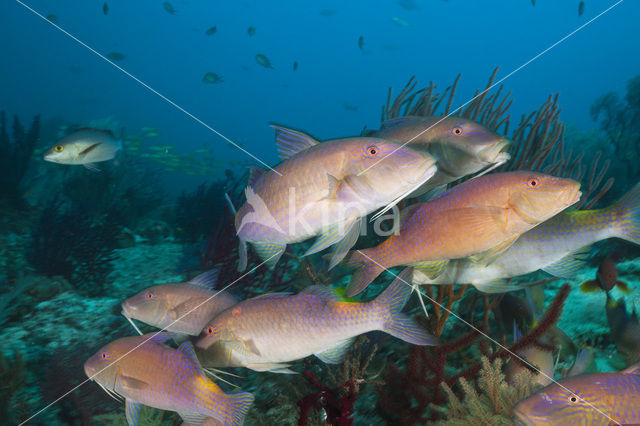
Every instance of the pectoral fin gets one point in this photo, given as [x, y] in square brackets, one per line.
[487, 257]
[89, 149]
[568, 266]
[269, 253]
[335, 354]
[132, 410]
[342, 234]
[432, 268]
[133, 384]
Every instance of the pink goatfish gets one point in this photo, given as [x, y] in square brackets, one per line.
[324, 189]
[144, 371]
[182, 308]
[590, 399]
[481, 217]
[266, 332]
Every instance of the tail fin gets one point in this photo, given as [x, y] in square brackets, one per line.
[366, 273]
[398, 324]
[237, 407]
[629, 223]
[242, 245]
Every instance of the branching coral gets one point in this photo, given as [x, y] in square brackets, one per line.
[492, 401]
[538, 140]
[15, 155]
[407, 394]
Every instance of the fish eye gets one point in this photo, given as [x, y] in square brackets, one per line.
[532, 182]
[372, 150]
[58, 148]
[209, 330]
[149, 295]
[573, 399]
[457, 131]
[104, 355]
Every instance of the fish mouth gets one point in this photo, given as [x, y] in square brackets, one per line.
[429, 168]
[496, 153]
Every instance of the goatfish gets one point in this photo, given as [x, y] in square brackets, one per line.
[324, 189]
[589, 399]
[625, 329]
[480, 217]
[268, 331]
[144, 371]
[557, 246]
[462, 147]
[84, 147]
[181, 308]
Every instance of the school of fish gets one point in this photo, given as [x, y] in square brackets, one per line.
[491, 227]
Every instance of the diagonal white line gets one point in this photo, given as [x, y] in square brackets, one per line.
[142, 343]
[495, 84]
[489, 337]
[145, 85]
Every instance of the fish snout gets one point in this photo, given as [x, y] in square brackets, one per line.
[128, 309]
[426, 170]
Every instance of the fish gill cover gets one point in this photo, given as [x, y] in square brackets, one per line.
[223, 170]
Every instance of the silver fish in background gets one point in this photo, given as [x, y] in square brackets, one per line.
[462, 147]
[323, 189]
[144, 371]
[84, 147]
[183, 308]
[598, 399]
[555, 246]
[267, 332]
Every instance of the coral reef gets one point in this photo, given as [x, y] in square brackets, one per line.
[491, 401]
[15, 155]
[69, 243]
[407, 395]
[538, 139]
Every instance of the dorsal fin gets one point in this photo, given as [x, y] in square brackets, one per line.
[272, 295]
[387, 124]
[290, 142]
[322, 292]
[206, 280]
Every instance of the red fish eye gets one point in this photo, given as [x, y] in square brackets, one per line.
[457, 130]
[372, 150]
[210, 330]
[149, 295]
[573, 399]
[104, 355]
[532, 182]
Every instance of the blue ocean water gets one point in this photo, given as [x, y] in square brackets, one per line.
[347, 55]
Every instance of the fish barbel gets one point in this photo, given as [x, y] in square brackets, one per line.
[267, 332]
[324, 189]
[144, 371]
[556, 246]
[590, 399]
[183, 308]
[485, 214]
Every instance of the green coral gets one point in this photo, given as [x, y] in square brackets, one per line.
[493, 403]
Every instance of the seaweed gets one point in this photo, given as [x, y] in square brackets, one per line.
[15, 156]
[78, 247]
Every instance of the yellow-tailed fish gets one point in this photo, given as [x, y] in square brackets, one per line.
[84, 147]
[324, 189]
[183, 308]
[462, 147]
[267, 332]
[481, 217]
[144, 371]
[556, 246]
[599, 399]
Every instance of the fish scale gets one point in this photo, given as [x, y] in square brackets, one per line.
[266, 331]
[476, 216]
